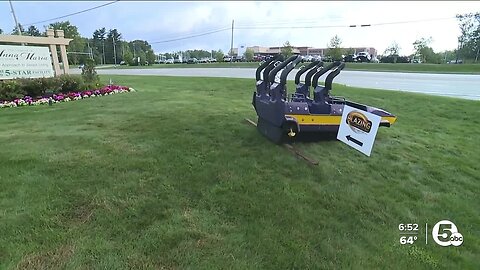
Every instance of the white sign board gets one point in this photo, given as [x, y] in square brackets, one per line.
[25, 62]
[241, 49]
[358, 129]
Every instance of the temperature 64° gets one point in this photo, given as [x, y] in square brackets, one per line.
[407, 240]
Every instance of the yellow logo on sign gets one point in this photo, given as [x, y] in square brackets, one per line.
[358, 121]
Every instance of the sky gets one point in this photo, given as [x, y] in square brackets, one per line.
[311, 23]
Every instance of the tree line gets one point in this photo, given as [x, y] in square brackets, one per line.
[468, 46]
[104, 47]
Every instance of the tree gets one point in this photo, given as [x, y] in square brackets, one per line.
[447, 55]
[150, 57]
[69, 30]
[33, 31]
[469, 39]
[143, 57]
[99, 34]
[420, 46]
[426, 53]
[198, 54]
[249, 54]
[287, 49]
[168, 55]
[128, 57]
[113, 39]
[15, 29]
[218, 55]
[77, 48]
[77, 45]
[430, 56]
[393, 50]
[89, 74]
[334, 48]
[98, 43]
[1, 31]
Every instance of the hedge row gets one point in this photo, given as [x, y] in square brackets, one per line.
[18, 88]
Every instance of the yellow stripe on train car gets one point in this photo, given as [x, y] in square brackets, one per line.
[328, 119]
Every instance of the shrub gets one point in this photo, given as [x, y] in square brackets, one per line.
[89, 74]
[391, 59]
[68, 83]
[37, 87]
[10, 90]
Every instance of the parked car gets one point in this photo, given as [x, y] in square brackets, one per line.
[308, 58]
[204, 60]
[192, 61]
[459, 61]
[212, 60]
[227, 58]
[169, 61]
[81, 66]
[238, 58]
[363, 57]
[177, 61]
[350, 58]
[327, 59]
[317, 58]
[258, 58]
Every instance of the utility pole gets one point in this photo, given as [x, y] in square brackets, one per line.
[89, 50]
[231, 44]
[15, 18]
[114, 51]
[103, 45]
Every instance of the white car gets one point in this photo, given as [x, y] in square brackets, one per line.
[169, 61]
[363, 57]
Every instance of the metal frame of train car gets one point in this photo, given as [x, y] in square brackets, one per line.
[280, 116]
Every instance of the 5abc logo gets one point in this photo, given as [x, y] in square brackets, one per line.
[445, 233]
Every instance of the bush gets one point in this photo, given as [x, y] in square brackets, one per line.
[391, 59]
[38, 87]
[69, 83]
[10, 90]
[89, 74]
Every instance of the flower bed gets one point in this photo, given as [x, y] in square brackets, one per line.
[55, 98]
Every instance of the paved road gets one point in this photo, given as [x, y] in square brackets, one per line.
[453, 85]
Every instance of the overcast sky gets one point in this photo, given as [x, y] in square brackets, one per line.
[163, 20]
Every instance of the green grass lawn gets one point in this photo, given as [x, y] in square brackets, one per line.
[399, 67]
[171, 177]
